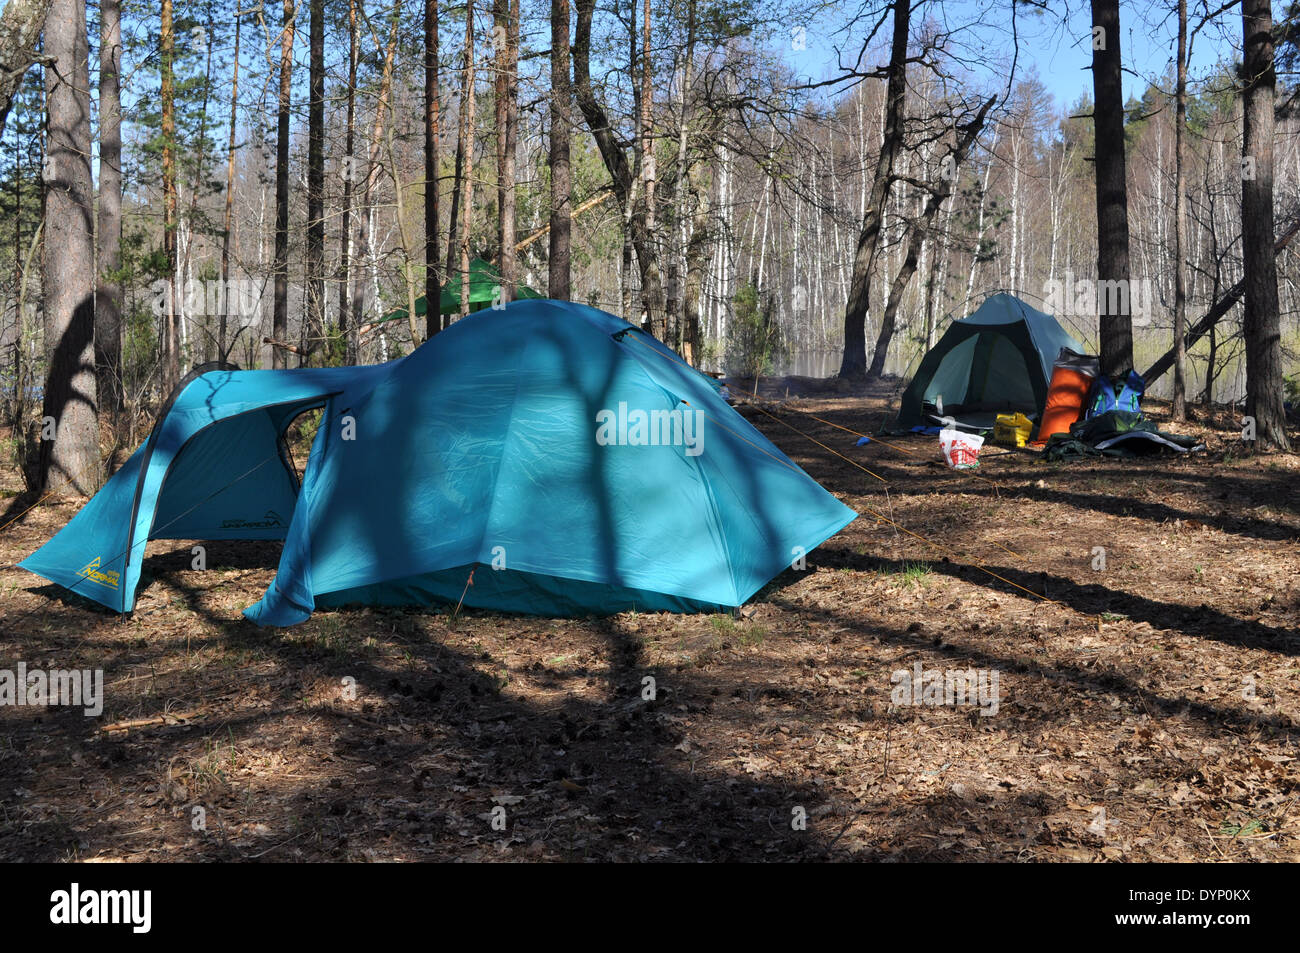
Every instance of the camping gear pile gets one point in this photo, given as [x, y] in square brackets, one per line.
[546, 458]
[1012, 371]
[1108, 422]
[1115, 433]
[1114, 425]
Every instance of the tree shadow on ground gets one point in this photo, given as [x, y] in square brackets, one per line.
[1203, 621]
[1075, 678]
[1156, 512]
[425, 750]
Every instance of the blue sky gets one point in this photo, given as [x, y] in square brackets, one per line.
[1057, 50]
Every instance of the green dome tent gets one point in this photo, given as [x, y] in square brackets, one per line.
[996, 360]
[484, 280]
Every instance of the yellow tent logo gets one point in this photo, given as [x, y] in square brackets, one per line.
[105, 577]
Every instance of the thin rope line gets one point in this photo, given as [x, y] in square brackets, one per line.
[898, 526]
[886, 443]
[977, 476]
[785, 463]
[47, 495]
[820, 444]
[975, 564]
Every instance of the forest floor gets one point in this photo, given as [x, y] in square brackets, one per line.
[1146, 710]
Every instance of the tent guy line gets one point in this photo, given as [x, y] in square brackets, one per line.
[26, 511]
[874, 440]
[885, 443]
[848, 460]
[969, 473]
[975, 564]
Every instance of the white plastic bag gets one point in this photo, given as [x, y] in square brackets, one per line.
[960, 450]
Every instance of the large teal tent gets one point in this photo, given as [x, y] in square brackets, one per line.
[564, 459]
[998, 359]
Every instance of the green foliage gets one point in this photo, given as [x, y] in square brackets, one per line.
[20, 184]
[336, 347]
[723, 624]
[142, 264]
[710, 353]
[1078, 132]
[302, 431]
[1138, 113]
[199, 64]
[754, 341]
[916, 572]
[140, 349]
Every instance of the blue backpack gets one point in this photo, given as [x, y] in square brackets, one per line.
[1105, 399]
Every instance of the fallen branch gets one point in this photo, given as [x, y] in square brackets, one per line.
[293, 349]
[590, 203]
[150, 722]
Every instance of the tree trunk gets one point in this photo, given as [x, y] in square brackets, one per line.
[201, 321]
[697, 249]
[1261, 325]
[346, 329]
[1116, 327]
[634, 209]
[504, 34]
[169, 349]
[432, 284]
[854, 363]
[70, 461]
[316, 184]
[1179, 408]
[657, 309]
[509, 261]
[463, 136]
[367, 210]
[966, 136]
[108, 292]
[280, 323]
[1211, 358]
[558, 285]
[467, 180]
[20, 31]
[229, 220]
[979, 220]
[500, 53]
[695, 254]
[410, 253]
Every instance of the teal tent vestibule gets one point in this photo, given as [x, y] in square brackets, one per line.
[546, 458]
[997, 359]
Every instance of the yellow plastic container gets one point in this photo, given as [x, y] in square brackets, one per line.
[1012, 429]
